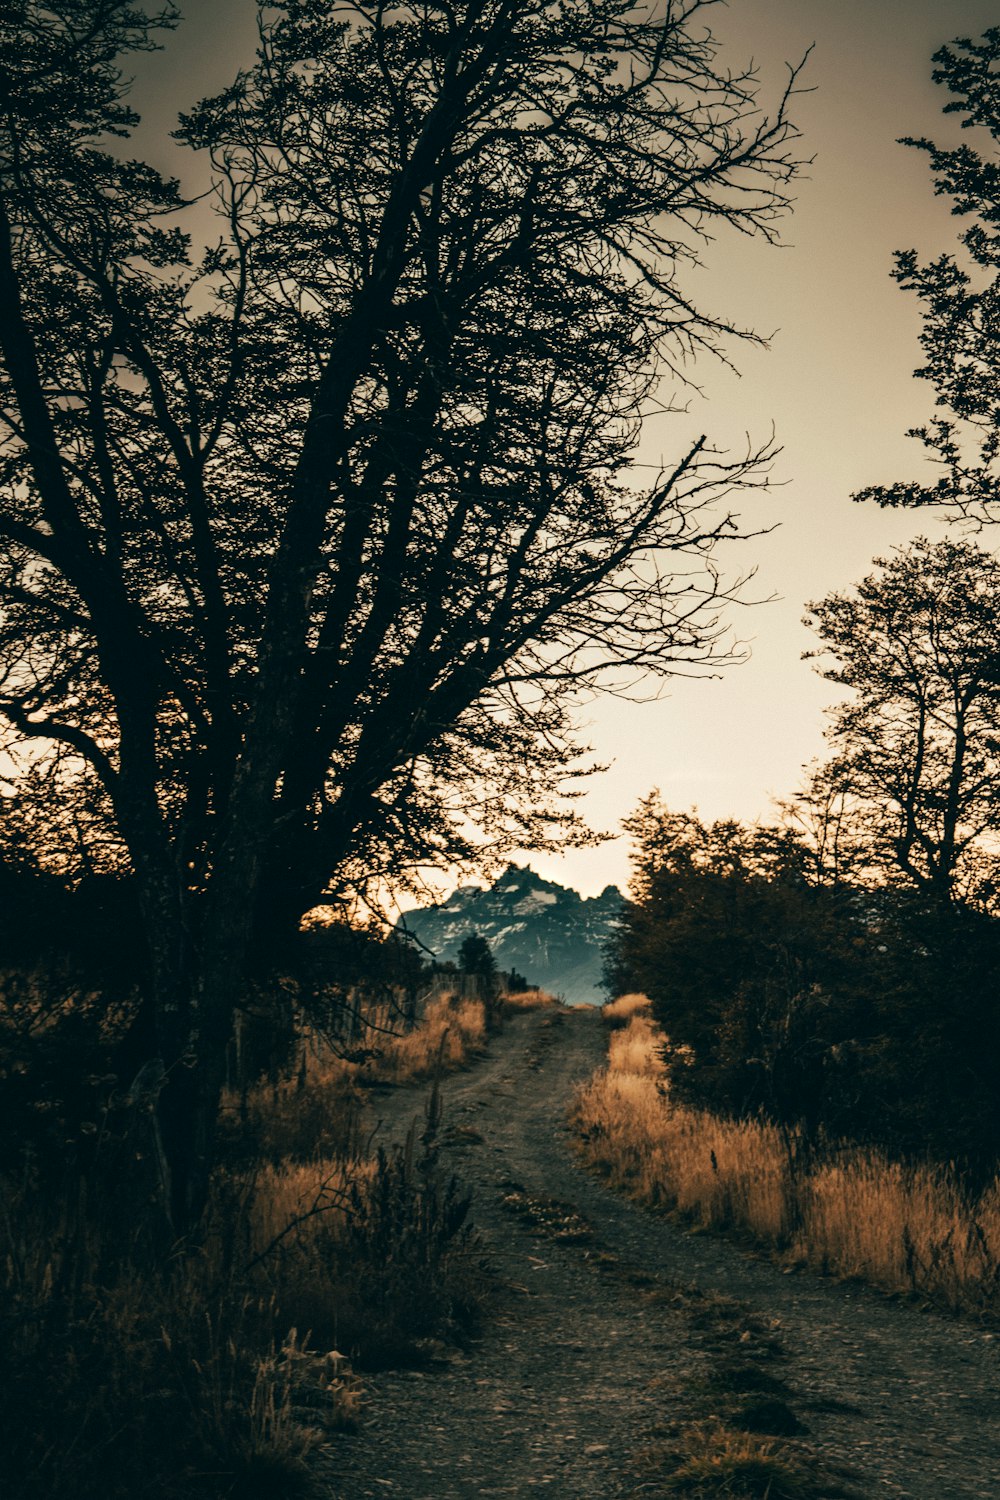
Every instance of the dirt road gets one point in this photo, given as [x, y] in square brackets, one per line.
[594, 1355]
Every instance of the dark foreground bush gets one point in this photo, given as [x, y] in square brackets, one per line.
[412, 1225]
[200, 1377]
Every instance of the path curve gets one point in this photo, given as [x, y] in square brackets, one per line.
[578, 1370]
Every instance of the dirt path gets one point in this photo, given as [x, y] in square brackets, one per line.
[591, 1355]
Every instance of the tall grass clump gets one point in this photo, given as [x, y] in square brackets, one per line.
[450, 1032]
[619, 1012]
[220, 1372]
[315, 1106]
[377, 1259]
[124, 1377]
[841, 1209]
[516, 1001]
[637, 1049]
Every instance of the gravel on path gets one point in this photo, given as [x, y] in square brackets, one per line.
[577, 1371]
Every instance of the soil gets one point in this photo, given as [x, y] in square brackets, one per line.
[613, 1328]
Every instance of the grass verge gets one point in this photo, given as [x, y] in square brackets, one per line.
[849, 1211]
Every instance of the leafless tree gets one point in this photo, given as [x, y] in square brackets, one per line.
[309, 533]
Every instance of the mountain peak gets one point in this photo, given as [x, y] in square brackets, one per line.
[544, 930]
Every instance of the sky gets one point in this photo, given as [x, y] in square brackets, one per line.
[836, 382]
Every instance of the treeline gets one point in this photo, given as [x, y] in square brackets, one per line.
[850, 1012]
[838, 969]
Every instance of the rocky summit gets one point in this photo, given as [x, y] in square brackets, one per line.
[548, 933]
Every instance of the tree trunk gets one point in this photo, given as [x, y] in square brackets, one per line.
[195, 985]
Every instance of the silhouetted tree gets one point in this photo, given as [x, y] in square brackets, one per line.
[475, 956]
[309, 538]
[917, 743]
[961, 302]
[747, 964]
[865, 1012]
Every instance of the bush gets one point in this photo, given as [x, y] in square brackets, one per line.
[414, 1271]
[836, 1012]
[149, 1378]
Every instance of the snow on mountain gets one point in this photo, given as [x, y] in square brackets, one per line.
[547, 932]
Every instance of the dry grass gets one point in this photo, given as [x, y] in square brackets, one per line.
[620, 1012]
[319, 1112]
[450, 1032]
[715, 1460]
[852, 1212]
[520, 1000]
[184, 1379]
[637, 1049]
[292, 1198]
[218, 1373]
[295, 1121]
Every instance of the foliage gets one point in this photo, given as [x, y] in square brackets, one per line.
[837, 1010]
[475, 956]
[958, 305]
[839, 1208]
[126, 1375]
[413, 1226]
[916, 745]
[741, 958]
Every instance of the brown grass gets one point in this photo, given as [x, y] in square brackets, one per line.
[220, 1372]
[715, 1460]
[186, 1379]
[620, 1012]
[520, 1000]
[318, 1112]
[636, 1051]
[852, 1212]
[450, 1032]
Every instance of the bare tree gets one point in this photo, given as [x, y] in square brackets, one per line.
[309, 534]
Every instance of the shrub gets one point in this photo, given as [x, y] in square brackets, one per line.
[121, 1373]
[165, 1378]
[413, 1270]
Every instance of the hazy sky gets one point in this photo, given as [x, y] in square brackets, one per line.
[836, 382]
